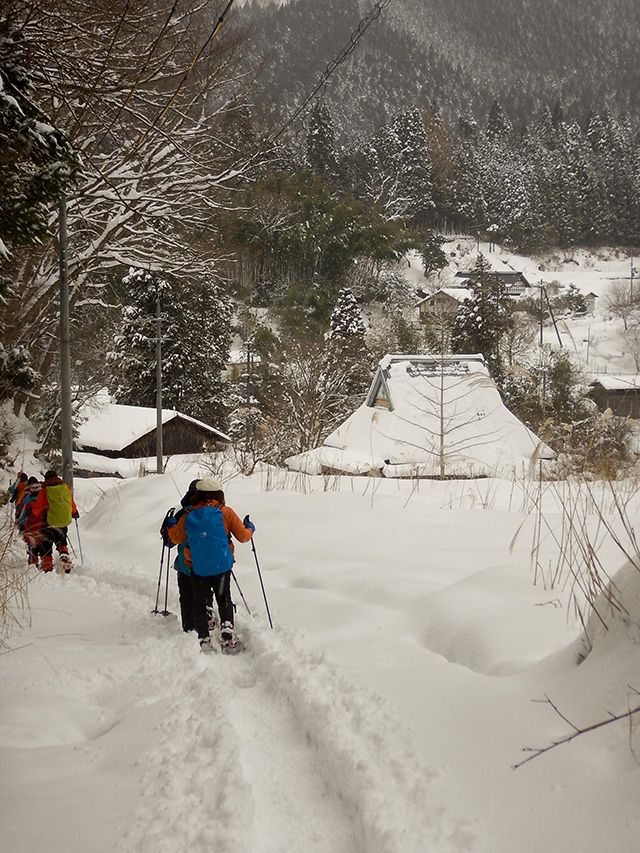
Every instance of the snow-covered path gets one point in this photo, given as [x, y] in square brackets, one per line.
[382, 715]
[151, 746]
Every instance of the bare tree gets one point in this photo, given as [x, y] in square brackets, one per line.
[622, 301]
[519, 336]
[147, 97]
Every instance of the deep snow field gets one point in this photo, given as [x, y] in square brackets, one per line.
[382, 715]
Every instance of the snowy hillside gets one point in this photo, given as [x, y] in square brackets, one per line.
[382, 715]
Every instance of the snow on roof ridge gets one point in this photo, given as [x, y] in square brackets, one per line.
[389, 358]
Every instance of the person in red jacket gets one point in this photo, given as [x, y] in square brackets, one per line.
[54, 507]
[29, 524]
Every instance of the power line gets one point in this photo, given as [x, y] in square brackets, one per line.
[318, 90]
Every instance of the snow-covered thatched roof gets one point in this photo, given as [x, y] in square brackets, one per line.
[111, 426]
[428, 416]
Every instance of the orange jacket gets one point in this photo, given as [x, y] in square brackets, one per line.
[230, 519]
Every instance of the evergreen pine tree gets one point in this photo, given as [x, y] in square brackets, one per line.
[321, 153]
[347, 358]
[469, 208]
[195, 328]
[498, 124]
[483, 319]
[396, 170]
[413, 165]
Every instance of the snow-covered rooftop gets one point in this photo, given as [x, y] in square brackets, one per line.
[458, 293]
[428, 416]
[112, 426]
[611, 382]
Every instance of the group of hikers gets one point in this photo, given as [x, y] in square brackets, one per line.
[43, 513]
[202, 530]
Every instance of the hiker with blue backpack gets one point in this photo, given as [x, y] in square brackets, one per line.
[205, 529]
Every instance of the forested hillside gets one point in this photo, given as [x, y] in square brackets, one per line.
[458, 54]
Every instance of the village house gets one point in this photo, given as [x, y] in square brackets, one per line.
[620, 393]
[441, 304]
[515, 283]
[118, 432]
[428, 416]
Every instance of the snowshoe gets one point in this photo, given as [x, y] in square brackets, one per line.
[65, 563]
[229, 642]
[231, 647]
[206, 645]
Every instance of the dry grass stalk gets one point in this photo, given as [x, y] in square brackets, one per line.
[591, 515]
[15, 576]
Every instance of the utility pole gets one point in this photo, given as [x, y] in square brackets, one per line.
[588, 343]
[65, 352]
[541, 309]
[247, 423]
[543, 369]
[553, 319]
[159, 448]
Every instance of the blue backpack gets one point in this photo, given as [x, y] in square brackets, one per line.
[208, 542]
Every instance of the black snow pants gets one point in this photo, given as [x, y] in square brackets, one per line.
[201, 589]
[50, 536]
[187, 601]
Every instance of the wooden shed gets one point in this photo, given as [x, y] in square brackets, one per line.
[620, 393]
[129, 432]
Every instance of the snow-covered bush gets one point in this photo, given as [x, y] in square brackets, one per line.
[596, 447]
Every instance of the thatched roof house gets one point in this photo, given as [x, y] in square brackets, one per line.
[428, 416]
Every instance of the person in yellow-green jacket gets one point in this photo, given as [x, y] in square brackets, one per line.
[54, 508]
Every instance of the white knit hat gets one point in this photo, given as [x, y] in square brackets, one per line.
[209, 484]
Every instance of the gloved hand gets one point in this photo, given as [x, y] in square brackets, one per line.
[248, 524]
[76, 515]
[170, 521]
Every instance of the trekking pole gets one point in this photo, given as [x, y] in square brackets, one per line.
[166, 612]
[155, 609]
[233, 575]
[266, 603]
[165, 547]
[79, 542]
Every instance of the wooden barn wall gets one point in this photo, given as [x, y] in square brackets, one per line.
[625, 404]
[178, 436]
